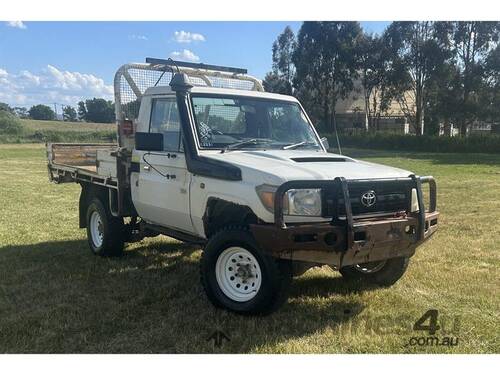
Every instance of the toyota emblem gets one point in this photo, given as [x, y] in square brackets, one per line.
[369, 198]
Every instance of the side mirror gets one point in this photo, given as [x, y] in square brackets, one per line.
[149, 141]
[324, 142]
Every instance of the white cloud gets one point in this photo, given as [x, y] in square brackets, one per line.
[185, 55]
[137, 37]
[188, 37]
[51, 85]
[29, 78]
[16, 24]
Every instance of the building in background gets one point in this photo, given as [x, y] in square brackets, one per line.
[351, 116]
[476, 128]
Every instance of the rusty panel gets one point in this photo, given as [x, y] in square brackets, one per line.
[381, 239]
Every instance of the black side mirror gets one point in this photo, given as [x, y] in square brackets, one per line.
[149, 141]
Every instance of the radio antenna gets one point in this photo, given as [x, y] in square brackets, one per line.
[337, 135]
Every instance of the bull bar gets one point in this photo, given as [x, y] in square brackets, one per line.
[349, 239]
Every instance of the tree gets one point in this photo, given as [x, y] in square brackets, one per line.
[9, 124]
[471, 42]
[21, 112]
[416, 52]
[373, 65]
[69, 113]
[274, 83]
[280, 79]
[41, 112]
[131, 109]
[99, 110]
[5, 107]
[442, 93]
[283, 67]
[82, 111]
[326, 64]
[492, 67]
[492, 70]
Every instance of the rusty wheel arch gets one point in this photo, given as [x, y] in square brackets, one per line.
[220, 213]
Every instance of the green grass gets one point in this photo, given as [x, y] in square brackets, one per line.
[61, 131]
[55, 296]
[66, 126]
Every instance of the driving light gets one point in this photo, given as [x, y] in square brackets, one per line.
[414, 201]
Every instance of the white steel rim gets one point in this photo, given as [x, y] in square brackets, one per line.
[96, 229]
[238, 274]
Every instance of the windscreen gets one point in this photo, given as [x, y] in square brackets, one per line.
[242, 122]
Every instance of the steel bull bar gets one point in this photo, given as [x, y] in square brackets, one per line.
[347, 239]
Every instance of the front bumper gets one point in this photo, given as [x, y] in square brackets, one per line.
[348, 240]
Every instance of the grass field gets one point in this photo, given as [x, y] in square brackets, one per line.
[35, 125]
[61, 131]
[57, 297]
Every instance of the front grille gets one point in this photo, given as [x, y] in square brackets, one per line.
[390, 197]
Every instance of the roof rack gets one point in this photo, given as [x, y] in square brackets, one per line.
[132, 80]
[185, 64]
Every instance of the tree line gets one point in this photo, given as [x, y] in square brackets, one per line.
[91, 110]
[435, 72]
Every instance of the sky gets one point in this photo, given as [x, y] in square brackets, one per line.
[64, 62]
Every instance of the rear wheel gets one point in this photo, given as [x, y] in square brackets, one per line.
[105, 233]
[238, 276]
[383, 273]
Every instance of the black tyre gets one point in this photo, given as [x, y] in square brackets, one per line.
[105, 233]
[384, 273]
[239, 277]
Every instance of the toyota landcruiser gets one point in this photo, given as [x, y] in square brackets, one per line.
[205, 156]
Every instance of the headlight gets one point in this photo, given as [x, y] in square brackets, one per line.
[296, 202]
[304, 202]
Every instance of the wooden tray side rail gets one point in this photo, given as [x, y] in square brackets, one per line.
[77, 162]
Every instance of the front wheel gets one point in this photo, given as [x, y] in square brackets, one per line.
[382, 273]
[239, 277]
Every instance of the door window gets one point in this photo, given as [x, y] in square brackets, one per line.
[165, 120]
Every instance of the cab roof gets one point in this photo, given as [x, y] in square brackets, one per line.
[165, 90]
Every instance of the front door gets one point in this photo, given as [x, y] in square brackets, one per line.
[162, 194]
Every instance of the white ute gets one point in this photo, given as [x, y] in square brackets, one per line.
[204, 155]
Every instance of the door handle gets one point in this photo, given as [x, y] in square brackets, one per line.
[147, 168]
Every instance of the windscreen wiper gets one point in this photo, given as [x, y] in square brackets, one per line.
[238, 145]
[298, 144]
